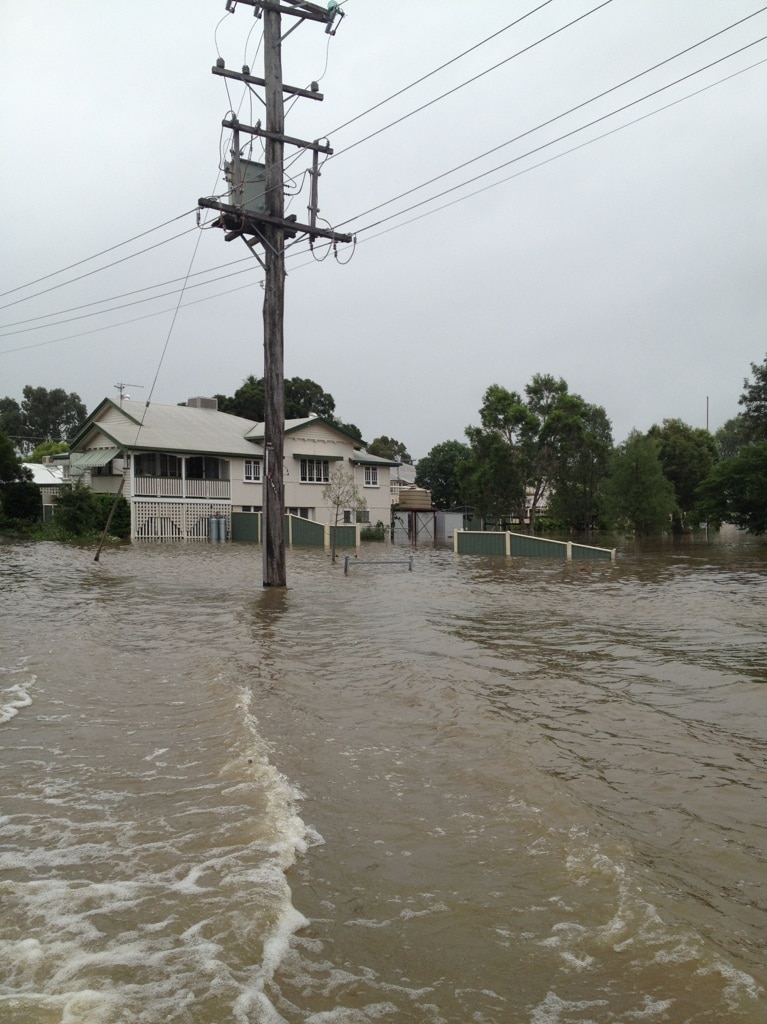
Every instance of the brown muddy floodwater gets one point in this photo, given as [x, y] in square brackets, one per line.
[487, 790]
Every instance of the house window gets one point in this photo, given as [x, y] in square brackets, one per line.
[203, 467]
[252, 471]
[371, 476]
[315, 471]
[158, 464]
[170, 465]
[363, 515]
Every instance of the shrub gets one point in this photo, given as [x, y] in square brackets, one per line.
[377, 532]
[21, 501]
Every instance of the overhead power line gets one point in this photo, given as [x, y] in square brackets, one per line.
[420, 216]
[430, 74]
[106, 266]
[572, 110]
[474, 78]
[95, 256]
[444, 193]
[557, 156]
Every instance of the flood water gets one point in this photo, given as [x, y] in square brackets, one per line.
[487, 790]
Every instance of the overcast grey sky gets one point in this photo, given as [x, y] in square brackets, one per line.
[630, 262]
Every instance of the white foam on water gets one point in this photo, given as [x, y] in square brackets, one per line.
[552, 1009]
[17, 695]
[112, 912]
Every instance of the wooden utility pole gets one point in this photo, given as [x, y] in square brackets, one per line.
[274, 305]
[262, 222]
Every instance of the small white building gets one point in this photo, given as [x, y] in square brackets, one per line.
[50, 477]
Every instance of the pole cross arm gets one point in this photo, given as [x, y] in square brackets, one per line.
[298, 8]
[245, 222]
[301, 143]
[308, 94]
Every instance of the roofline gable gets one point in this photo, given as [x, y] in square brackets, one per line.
[259, 429]
[93, 419]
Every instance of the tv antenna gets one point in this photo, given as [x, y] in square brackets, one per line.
[121, 388]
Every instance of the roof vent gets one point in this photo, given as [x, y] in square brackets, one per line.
[202, 403]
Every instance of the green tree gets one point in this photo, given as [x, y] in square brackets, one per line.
[555, 440]
[43, 415]
[439, 472]
[11, 468]
[351, 429]
[19, 497]
[248, 400]
[303, 397]
[47, 448]
[637, 494]
[736, 490]
[77, 511]
[581, 464]
[12, 422]
[388, 448]
[687, 455]
[754, 402]
[21, 501]
[732, 437]
[491, 478]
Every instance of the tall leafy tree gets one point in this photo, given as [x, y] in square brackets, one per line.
[439, 472]
[248, 400]
[12, 422]
[555, 440]
[389, 448]
[736, 490]
[754, 402]
[303, 397]
[491, 478]
[42, 415]
[496, 477]
[581, 464]
[19, 497]
[687, 455]
[638, 496]
[350, 428]
[732, 437]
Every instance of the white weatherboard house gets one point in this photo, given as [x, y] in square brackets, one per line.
[181, 465]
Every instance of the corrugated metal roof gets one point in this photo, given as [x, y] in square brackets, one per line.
[363, 458]
[45, 474]
[174, 428]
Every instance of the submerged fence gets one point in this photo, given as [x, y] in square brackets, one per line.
[349, 560]
[523, 545]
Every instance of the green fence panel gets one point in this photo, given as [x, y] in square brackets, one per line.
[246, 526]
[480, 543]
[345, 536]
[524, 545]
[304, 531]
[585, 551]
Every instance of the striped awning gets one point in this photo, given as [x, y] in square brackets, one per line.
[94, 457]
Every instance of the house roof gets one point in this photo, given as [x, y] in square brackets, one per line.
[363, 458]
[138, 426]
[294, 426]
[45, 474]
